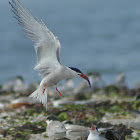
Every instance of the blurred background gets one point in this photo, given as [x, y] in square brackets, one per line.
[95, 35]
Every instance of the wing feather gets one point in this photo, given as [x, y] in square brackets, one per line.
[47, 46]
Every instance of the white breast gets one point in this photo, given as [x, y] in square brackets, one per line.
[58, 75]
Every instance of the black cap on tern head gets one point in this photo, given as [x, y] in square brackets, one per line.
[81, 74]
[75, 69]
[67, 122]
[51, 118]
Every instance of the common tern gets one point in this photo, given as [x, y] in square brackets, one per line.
[56, 130]
[50, 119]
[47, 48]
[93, 135]
[75, 132]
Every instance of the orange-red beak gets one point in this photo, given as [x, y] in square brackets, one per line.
[92, 126]
[85, 77]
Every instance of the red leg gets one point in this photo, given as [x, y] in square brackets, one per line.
[60, 94]
[44, 88]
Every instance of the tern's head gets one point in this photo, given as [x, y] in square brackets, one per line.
[93, 129]
[93, 135]
[50, 119]
[67, 122]
[79, 73]
[60, 128]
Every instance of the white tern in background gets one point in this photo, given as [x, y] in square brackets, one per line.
[56, 130]
[75, 131]
[50, 119]
[93, 135]
[47, 48]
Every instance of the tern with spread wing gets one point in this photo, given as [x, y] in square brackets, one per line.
[47, 48]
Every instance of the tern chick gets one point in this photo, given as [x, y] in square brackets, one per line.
[47, 48]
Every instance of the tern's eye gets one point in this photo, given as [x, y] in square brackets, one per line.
[97, 129]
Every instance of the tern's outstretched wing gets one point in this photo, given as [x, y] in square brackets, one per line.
[47, 46]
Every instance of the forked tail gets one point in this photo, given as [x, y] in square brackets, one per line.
[41, 95]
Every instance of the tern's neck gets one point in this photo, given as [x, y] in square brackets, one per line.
[69, 73]
[93, 135]
[48, 121]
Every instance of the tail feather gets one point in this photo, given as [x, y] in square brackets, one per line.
[40, 95]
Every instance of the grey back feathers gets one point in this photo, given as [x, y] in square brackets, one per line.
[54, 128]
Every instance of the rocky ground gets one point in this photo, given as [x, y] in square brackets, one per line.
[107, 106]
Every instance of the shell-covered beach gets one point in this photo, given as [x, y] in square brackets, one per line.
[114, 109]
[100, 39]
